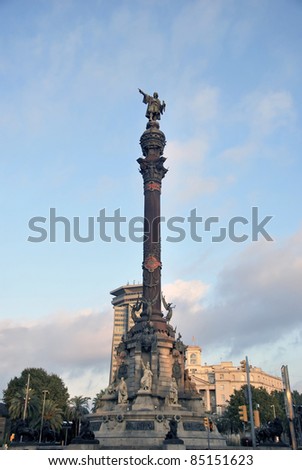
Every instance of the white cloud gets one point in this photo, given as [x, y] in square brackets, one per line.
[268, 111]
[257, 296]
[187, 158]
[253, 309]
[204, 22]
[239, 152]
[188, 292]
[188, 298]
[68, 344]
[262, 114]
[202, 105]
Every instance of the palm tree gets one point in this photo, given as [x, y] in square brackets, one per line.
[17, 404]
[53, 415]
[78, 408]
[97, 401]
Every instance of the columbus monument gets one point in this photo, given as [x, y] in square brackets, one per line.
[152, 402]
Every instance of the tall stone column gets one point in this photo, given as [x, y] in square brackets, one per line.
[153, 171]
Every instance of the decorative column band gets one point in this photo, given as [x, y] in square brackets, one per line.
[152, 186]
[151, 263]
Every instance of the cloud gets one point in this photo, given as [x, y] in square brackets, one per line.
[257, 298]
[253, 309]
[268, 111]
[188, 296]
[202, 105]
[67, 343]
[188, 159]
[261, 114]
[201, 22]
[261, 294]
[239, 152]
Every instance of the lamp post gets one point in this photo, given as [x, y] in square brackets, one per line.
[288, 401]
[26, 402]
[274, 411]
[246, 368]
[42, 417]
[26, 398]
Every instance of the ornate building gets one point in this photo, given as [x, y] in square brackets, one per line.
[216, 383]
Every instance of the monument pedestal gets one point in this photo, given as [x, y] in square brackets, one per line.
[174, 444]
[143, 401]
[143, 429]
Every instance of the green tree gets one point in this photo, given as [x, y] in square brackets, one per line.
[79, 407]
[297, 398]
[14, 394]
[16, 407]
[230, 421]
[269, 406]
[97, 401]
[53, 415]
[277, 406]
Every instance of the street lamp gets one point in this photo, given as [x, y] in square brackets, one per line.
[246, 368]
[26, 398]
[42, 417]
[274, 411]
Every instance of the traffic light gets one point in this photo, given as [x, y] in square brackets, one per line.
[256, 418]
[243, 365]
[243, 413]
[206, 423]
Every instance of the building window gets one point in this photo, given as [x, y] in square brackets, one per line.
[193, 358]
[211, 378]
[221, 376]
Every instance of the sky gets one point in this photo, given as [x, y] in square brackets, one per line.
[71, 118]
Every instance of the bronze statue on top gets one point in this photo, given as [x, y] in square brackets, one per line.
[169, 307]
[155, 108]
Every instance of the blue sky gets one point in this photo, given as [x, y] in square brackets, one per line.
[70, 122]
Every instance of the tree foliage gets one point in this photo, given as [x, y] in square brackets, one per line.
[78, 408]
[39, 380]
[97, 401]
[270, 405]
[53, 415]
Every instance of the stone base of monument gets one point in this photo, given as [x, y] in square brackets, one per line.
[84, 442]
[143, 401]
[174, 444]
[84, 445]
[146, 429]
